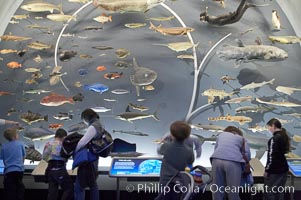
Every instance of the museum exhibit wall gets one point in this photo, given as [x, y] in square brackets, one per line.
[91, 52]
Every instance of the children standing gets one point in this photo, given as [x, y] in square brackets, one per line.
[176, 155]
[276, 168]
[56, 172]
[13, 154]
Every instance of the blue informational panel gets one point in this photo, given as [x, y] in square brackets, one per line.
[295, 167]
[135, 167]
[1, 167]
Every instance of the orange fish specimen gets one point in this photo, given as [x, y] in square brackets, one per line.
[5, 93]
[101, 68]
[55, 126]
[14, 65]
[112, 75]
[55, 100]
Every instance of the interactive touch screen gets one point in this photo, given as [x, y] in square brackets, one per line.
[295, 167]
[135, 167]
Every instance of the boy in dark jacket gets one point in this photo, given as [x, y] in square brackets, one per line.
[176, 155]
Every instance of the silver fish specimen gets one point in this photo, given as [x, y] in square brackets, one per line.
[40, 6]
[210, 127]
[77, 127]
[142, 76]
[239, 99]
[279, 103]
[253, 109]
[247, 53]
[257, 128]
[31, 117]
[161, 19]
[36, 91]
[256, 85]
[101, 109]
[126, 5]
[63, 116]
[120, 91]
[135, 25]
[287, 90]
[131, 116]
[138, 107]
[37, 133]
[137, 133]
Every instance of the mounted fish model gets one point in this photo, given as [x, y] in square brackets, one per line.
[212, 93]
[287, 90]
[240, 119]
[247, 53]
[171, 30]
[56, 100]
[38, 133]
[131, 116]
[142, 76]
[257, 85]
[123, 6]
[279, 103]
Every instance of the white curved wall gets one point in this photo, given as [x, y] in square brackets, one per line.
[292, 8]
[7, 9]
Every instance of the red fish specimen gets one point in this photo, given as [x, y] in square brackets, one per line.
[55, 126]
[55, 100]
[2, 93]
[101, 68]
[14, 65]
[112, 75]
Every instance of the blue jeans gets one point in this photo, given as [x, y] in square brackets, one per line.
[80, 191]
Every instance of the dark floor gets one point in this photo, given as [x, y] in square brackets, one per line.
[42, 194]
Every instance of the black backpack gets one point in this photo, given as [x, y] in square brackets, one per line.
[102, 144]
[69, 144]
